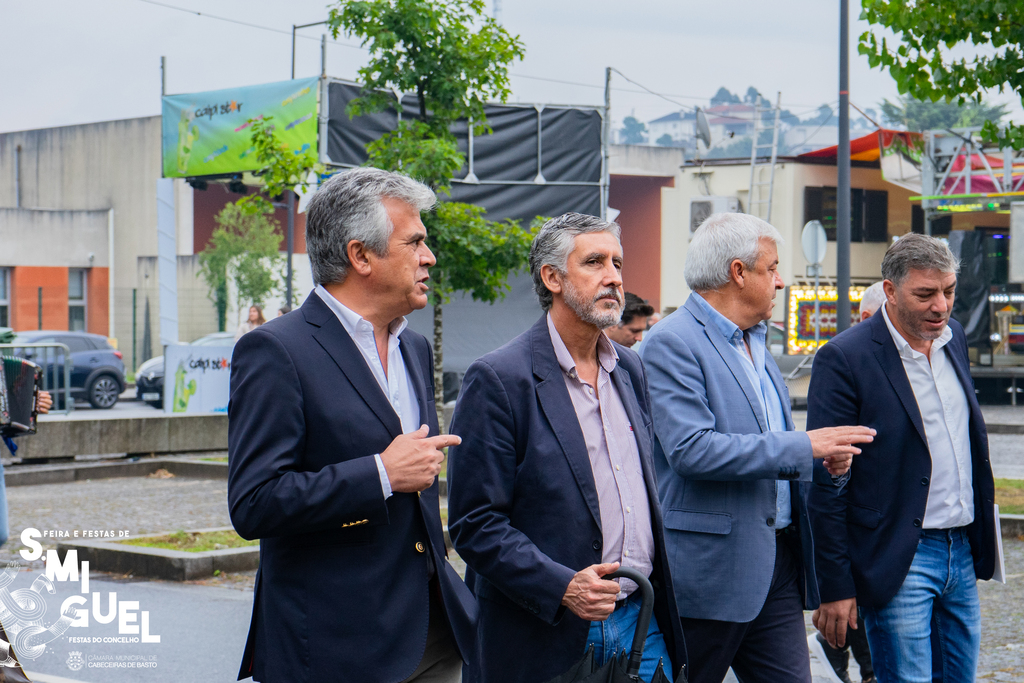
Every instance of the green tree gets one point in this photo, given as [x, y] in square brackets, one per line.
[928, 33]
[913, 114]
[281, 169]
[723, 96]
[633, 131]
[665, 140]
[454, 58]
[244, 250]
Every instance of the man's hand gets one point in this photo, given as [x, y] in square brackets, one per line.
[414, 459]
[44, 402]
[835, 446]
[590, 597]
[832, 618]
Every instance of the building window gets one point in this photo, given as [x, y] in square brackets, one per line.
[5, 297]
[869, 212]
[76, 299]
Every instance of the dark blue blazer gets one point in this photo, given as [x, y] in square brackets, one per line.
[866, 533]
[342, 591]
[523, 508]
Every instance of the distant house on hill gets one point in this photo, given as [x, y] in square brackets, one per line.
[679, 126]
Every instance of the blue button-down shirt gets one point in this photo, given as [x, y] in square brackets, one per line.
[766, 392]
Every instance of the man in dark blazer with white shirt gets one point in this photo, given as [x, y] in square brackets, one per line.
[911, 529]
[553, 486]
[334, 453]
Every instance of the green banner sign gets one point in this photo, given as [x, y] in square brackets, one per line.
[208, 133]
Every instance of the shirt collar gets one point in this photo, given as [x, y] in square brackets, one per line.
[903, 346]
[352, 321]
[607, 356]
[728, 329]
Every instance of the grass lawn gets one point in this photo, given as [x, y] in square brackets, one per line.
[1010, 496]
[193, 542]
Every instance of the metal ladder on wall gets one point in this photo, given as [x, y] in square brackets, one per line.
[762, 175]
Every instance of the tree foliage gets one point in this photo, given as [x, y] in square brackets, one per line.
[913, 114]
[928, 32]
[454, 58]
[633, 131]
[244, 250]
[723, 96]
[281, 169]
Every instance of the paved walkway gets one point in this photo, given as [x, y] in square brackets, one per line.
[203, 623]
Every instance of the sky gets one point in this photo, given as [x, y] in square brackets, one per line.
[68, 61]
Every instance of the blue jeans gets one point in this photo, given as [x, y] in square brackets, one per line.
[940, 591]
[615, 634]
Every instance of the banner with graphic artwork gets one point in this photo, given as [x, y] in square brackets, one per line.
[800, 321]
[208, 133]
[196, 378]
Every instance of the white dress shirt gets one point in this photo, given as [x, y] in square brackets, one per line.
[946, 417]
[396, 384]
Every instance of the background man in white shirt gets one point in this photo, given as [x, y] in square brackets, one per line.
[908, 533]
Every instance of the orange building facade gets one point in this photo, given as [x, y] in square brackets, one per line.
[54, 298]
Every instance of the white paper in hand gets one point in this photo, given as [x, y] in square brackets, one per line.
[1000, 571]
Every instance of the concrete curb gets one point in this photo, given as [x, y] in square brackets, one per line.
[62, 474]
[1011, 526]
[159, 563]
[1004, 429]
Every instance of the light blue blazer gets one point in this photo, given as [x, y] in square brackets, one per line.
[717, 467]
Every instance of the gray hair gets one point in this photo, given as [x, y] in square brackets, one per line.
[721, 239]
[554, 243]
[349, 206]
[874, 297]
[917, 252]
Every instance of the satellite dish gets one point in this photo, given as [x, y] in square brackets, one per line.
[703, 130]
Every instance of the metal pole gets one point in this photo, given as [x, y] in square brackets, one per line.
[291, 248]
[817, 316]
[606, 136]
[135, 318]
[843, 170]
[323, 55]
[163, 76]
[293, 51]
[17, 177]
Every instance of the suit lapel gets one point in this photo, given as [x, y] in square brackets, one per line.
[412, 366]
[892, 365]
[731, 361]
[331, 335]
[558, 408]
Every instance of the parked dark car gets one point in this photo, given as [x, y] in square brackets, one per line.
[149, 378]
[97, 370]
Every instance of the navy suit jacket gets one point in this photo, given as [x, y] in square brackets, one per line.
[523, 508]
[342, 591]
[718, 470]
[866, 533]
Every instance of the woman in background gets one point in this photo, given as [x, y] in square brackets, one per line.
[255, 320]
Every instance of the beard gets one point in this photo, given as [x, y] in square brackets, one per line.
[915, 324]
[594, 311]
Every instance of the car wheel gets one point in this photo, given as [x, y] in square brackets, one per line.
[103, 392]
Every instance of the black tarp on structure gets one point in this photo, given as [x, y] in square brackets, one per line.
[538, 161]
[517, 175]
[970, 307]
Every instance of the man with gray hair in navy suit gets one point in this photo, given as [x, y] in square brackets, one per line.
[730, 466]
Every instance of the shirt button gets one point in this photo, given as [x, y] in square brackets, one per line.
[625, 553]
[617, 468]
[628, 509]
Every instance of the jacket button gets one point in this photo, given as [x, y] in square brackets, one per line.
[917, 522]
[770, 521]
[924, 481]
[420, 547]
[597, 545]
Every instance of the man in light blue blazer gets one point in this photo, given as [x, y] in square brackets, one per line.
[730, 465]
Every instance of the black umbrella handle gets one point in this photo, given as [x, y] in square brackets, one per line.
[643, 621]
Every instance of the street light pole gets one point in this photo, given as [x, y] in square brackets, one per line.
[295, 27]
[843, 170]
